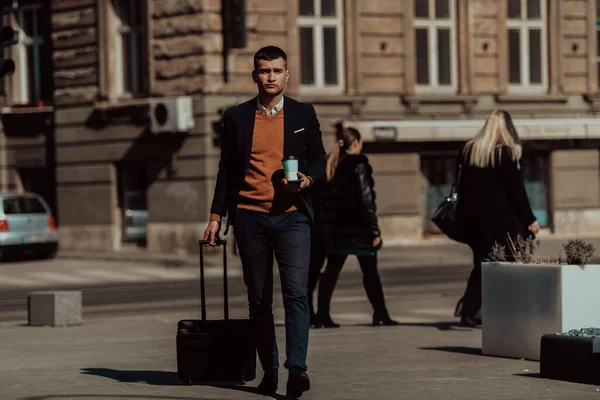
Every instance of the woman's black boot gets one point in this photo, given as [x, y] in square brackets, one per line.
[383, 318]
[313, 320]
[324, 321]
[459, 308]
[470, 321]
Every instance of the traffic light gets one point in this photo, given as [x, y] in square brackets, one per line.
[8, 36]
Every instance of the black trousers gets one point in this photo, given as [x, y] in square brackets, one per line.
[318, 254]
[261, 236]
[371, 282]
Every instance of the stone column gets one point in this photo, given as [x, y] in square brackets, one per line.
[575, 189]
[398, 187]
[87, 207]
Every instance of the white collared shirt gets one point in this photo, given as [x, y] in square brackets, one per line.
[264, 110]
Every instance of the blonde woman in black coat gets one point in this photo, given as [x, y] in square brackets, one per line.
[349, 225]
[492, 201]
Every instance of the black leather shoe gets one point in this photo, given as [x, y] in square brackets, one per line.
[469, 321]
[298, 383]
[324, 321]
[269, 382]
[383, 318]
[459, 308]
[313, 320]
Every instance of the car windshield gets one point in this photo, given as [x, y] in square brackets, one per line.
[23, 205]
[136, 202]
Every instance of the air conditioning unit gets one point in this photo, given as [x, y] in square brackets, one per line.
[171, 115]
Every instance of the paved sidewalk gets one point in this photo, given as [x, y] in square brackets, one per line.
[134, 358]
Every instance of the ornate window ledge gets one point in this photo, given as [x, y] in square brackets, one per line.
[35, 119]
[124, 110]
[528, 98]
[122, 103]
[26, 110]
[594, 100]
[355, 102]
[414, 102]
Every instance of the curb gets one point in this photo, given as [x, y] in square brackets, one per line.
[160, 259]
[439, 251]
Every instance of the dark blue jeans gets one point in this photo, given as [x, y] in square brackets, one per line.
[287, 236]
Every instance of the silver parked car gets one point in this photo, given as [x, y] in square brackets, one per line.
[26, 223]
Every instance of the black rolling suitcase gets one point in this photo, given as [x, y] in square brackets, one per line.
[219, 350]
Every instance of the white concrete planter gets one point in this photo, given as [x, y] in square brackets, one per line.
[522, 302]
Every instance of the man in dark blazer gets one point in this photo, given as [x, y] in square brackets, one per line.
[271, 216]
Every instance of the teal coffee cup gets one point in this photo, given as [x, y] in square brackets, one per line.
[290, 168]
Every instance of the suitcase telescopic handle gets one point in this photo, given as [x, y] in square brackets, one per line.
[219, 242]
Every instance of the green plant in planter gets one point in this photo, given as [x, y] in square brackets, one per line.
[578, 252]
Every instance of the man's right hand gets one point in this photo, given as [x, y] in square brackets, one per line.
[212, 232]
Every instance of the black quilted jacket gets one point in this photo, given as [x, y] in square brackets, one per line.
[348, 215]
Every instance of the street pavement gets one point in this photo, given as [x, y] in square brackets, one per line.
[129, 352]
[132, 357]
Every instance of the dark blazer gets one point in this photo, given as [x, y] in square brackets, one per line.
[349, 215]
[492, 202]
[302, 139]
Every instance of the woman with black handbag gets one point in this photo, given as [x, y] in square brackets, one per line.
[350, 226]
[492, 201]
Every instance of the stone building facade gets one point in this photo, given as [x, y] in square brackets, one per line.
[417, 77]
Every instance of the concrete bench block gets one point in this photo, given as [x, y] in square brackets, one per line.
[570, 358]
[55, 308]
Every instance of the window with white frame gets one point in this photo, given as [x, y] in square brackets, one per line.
[31, 82]
[128, 42]
[527, 44]
[435, 45]
[321, 35]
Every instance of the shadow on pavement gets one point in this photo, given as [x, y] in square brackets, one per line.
[160, 378]
[442, 326]
[455, 349]
[110, 397]
[530, 375]
[19, 256]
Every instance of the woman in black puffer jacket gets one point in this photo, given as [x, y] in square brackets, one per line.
[349, 225]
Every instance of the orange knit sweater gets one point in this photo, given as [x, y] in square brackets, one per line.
[262, 190]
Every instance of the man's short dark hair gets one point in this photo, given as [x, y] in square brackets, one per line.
[269, 53]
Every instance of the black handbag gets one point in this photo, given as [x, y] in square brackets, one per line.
[446, 215]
